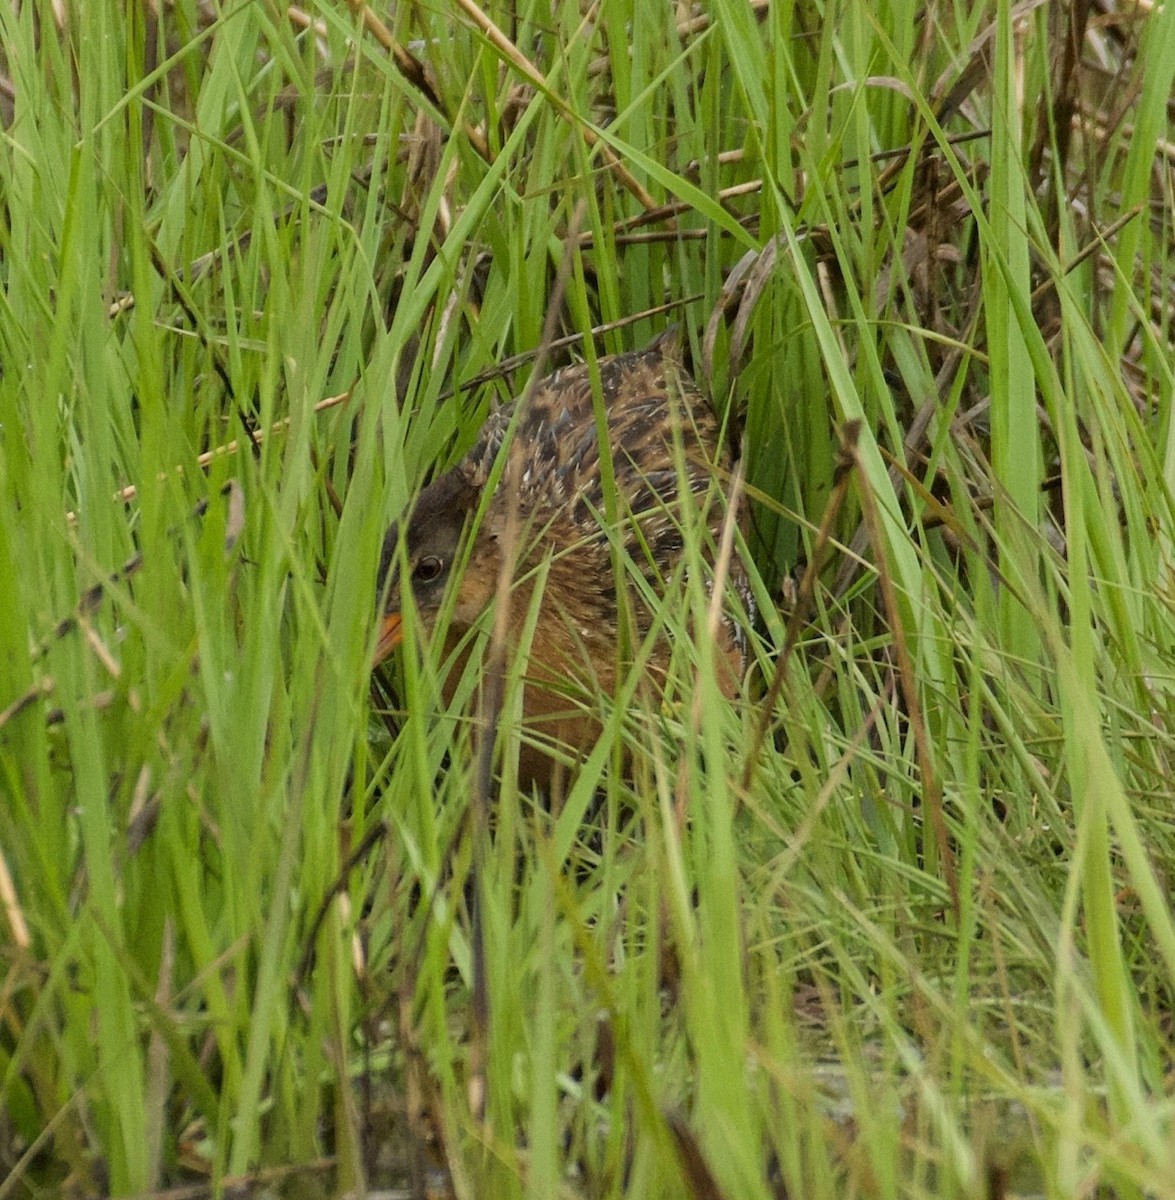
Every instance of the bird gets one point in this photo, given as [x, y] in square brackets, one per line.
[548, 511]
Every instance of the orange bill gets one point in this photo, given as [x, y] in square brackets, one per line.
[391, 634]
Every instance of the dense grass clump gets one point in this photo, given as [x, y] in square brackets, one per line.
[896, 922]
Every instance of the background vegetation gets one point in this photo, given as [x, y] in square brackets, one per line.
[896, 922]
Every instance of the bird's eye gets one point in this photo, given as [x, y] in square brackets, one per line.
[428, 570]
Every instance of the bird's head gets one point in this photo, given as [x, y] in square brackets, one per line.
[432, 538]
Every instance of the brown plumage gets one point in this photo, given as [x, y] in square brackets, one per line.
[661, 432]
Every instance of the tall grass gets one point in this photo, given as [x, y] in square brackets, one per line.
[895, 922]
